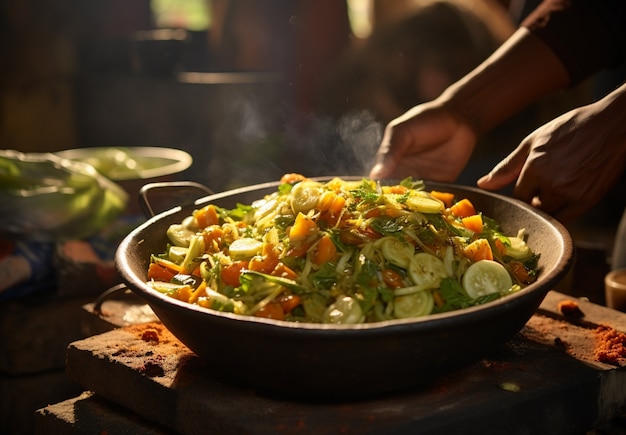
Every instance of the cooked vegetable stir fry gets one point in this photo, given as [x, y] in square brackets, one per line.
[342, 252]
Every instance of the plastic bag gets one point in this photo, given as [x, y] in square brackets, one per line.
[44, 197]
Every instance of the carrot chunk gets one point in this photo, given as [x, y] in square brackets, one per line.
[206, 216]
[267, 261]
[271, 310]
[230, 273]
[289, 301]
[444, 197]
[500, 247]
[326, 250]
[397, 189]
[473, 223]
[463, 208]
[292, 178]
[157, 272]
[479, 250]
[283, 271]
[302, 228]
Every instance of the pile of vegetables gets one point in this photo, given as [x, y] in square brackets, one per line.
[342, 252]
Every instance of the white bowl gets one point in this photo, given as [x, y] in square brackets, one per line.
[131, 163]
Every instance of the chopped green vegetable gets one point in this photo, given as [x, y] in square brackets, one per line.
[345, 252]
[44, 197]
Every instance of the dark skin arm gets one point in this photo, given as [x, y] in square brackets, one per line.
[567, 165]
[435, 140]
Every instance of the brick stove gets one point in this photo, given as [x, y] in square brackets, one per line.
[141, 379]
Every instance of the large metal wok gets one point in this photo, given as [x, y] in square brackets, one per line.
[311, 360]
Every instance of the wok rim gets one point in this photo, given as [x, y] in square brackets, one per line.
[431, 322]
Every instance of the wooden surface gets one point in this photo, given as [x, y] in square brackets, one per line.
[545, 380]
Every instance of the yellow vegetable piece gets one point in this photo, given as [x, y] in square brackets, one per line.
[304, 196]
[245, 248]
[424, 203]
[426, 270]
[413, 305]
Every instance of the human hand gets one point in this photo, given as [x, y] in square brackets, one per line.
[566, 166]
[427, 142]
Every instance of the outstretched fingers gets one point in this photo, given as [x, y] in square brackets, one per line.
[507, 171]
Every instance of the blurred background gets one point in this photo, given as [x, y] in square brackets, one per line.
[252, 89]
[243, 85]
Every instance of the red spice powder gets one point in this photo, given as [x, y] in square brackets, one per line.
[570, 308]
[150, 335]
[148, 332]
[610, 345]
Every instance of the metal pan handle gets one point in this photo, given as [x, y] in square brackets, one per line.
[169, 194]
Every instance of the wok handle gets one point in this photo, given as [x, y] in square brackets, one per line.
[169, 194]
[120, 288]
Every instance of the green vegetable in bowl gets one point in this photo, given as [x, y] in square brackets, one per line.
[342, 252]
[47, 198]
[119, 164]
[131, 163]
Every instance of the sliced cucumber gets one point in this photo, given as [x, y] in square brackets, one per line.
[177, 254]
[423, 202]
[486, 277]
[245, 248]
[304, 196]
[179, 235]
[396, 251]
[391, 201]
[426, 270]
[345, 310]
[448, 261]
[413, 305]
[410, 290]
[518, 249]
[190, 223]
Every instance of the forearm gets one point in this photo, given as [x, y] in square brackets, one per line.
[587, 35]
[520, 72]
[559, 44]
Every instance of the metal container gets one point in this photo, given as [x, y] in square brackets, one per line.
[341, 361]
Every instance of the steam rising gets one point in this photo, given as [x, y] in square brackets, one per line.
[258, 139]
[344, 146]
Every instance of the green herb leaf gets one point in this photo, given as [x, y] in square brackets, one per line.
[239, 213]
[365, 192]
[386, 225]
[456, 298]
[325, 277]
[409, 183]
